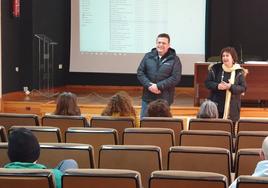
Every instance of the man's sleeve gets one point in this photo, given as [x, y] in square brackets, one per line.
[141, 73]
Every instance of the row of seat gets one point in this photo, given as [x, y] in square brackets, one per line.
[120, 123]
[8, 120]
[146, 158]
[109, 121]
[223, 139]
[101, 178]
[164, 138]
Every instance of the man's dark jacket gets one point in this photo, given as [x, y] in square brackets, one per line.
[165, 72]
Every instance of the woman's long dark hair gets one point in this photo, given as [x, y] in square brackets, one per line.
[159, 108]
[67, 105]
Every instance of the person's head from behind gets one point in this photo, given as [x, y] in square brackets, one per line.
[23, 146]
[158, 108]
[162, 43]
[67, 105]
[208, 109]
[264, 150]
[121, 104]
[229, 56]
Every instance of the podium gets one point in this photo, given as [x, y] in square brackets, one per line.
[45, 67]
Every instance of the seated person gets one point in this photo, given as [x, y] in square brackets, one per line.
[67, 105]
[261, 169]
[208, 109]
[24, 151]
[158, 108]
[120, 105]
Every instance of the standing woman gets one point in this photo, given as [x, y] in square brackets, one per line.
[226, 82]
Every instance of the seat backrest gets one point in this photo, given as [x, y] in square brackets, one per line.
[250, 139]
[144, 159]
[64, 122]
[96, 137]
[207, 159]
[99, 178]
[3, 135]
[3, 154]
[246, 161]
[43, 133]
[176, 124]
[26, 178]
[52, 153]
[250, 181]
[207, 138]
[9, 119]
[118, 123]
[172, 179]
[162, 137]
[212, 124]
[252, 125]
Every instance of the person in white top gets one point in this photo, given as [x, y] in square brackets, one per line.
[261, 169]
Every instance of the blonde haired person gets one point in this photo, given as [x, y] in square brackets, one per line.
[120, 105]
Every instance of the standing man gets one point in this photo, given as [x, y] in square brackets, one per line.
[159, 72]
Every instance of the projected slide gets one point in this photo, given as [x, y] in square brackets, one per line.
[111, 36]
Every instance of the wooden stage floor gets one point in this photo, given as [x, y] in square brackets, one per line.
[92, 100]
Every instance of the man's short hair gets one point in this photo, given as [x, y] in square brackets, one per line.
[23, 146]
[164, 35]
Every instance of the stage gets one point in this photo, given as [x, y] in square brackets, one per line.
[92, 100]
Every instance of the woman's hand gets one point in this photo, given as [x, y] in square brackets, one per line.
[224, 86]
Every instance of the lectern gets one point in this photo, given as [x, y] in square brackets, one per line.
[45, 65]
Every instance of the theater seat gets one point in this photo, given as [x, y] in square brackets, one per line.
[43, 133]
[250, 181]
[144, 159]
[118, 123]
[101, 178]
[93, 136]
[176, 124]
[64, 122]
[26, 178]
[207, 159]
[188, 179]
[10, 119]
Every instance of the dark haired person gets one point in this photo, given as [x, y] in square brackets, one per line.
[226, 82]
[159, 72]
[24, 151]
[67, 105]
[158, 108]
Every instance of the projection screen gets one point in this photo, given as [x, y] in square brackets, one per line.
[112, 36]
